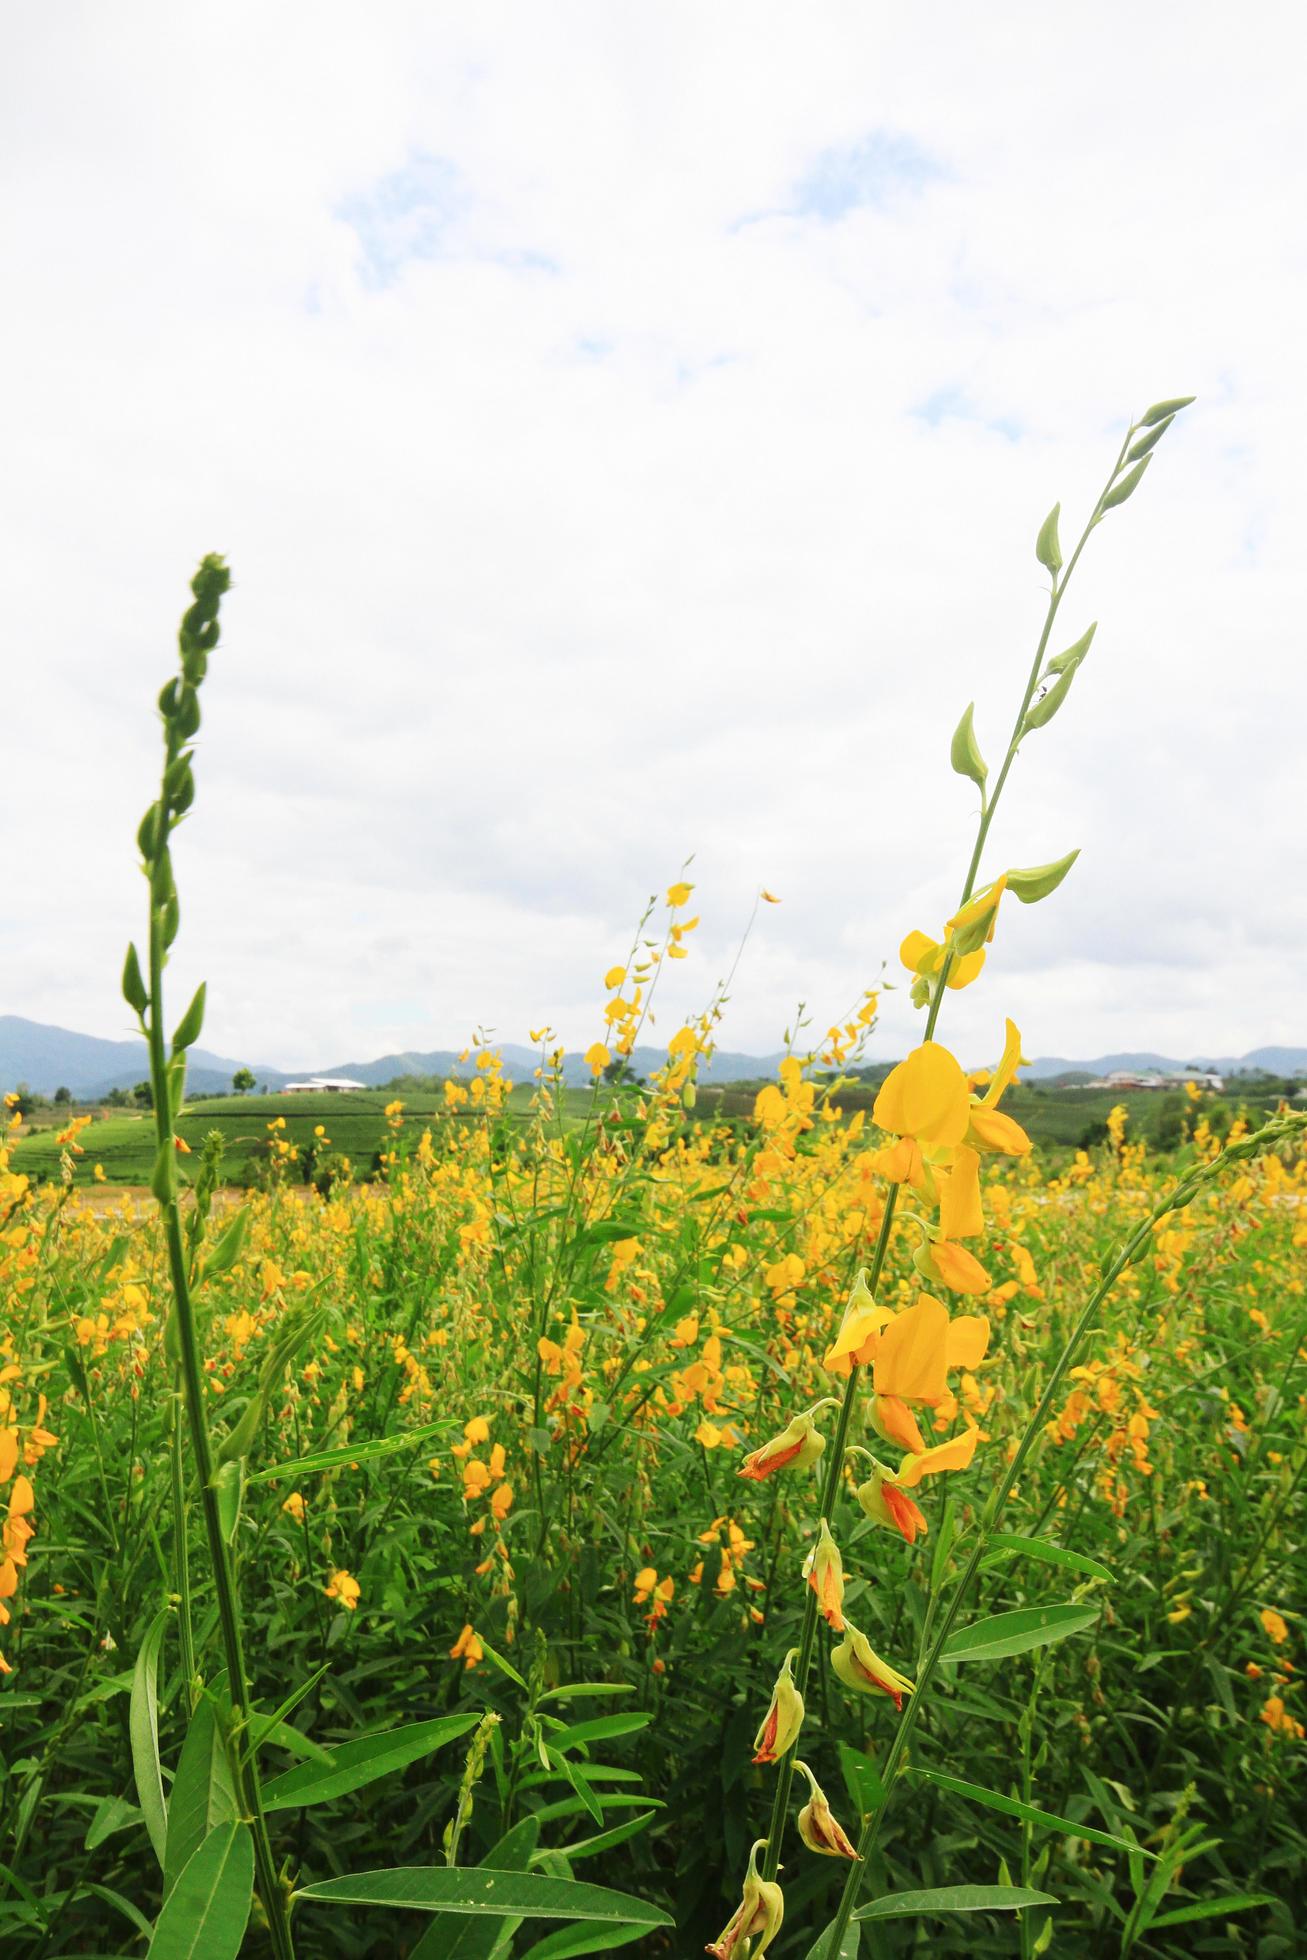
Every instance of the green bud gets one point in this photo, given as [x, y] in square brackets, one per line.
[1073, 656]
[229, 1247]
[1041, 879]
[1042, 711]
[964, 752]
[147, 837]
[172, 918]
[133, 984]
[188, 1028]
[1145, 443]
[1127, 486]
[175, 1075]
[1047, 549]
[163, 1179]
[229, 1487]
[239, 1440]
[168, 698]
[1163, 411]
[187, 718]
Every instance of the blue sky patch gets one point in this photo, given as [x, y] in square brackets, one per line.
[867, 173]
[403, 216]
[953, 404]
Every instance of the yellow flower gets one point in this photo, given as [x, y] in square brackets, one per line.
[345, 1588]
[757, 1917]
[294, 1506]
[678, 894]
[824, 1570]
[798, 1446]
[467, 1648]
[859, 1666]
[817, 1826]
[1273, 1626]
[925, 1097]
[784, 1718]
[597, 1058]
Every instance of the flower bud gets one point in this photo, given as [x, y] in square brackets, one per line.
[824, 1571]
[783, 1720]
[886, 1504]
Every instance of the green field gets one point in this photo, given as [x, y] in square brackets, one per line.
[122, 1141]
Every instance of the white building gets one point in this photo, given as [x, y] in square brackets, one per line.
[330, 1085]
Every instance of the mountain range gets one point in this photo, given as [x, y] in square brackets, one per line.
[47, 1058]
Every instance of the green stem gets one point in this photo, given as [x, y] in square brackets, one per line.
[246, 1772]
[181, 1557]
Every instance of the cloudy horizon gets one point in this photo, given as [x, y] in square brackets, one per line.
[628, 434]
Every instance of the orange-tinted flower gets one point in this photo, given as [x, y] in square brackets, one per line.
[757, 1917]
[797, 1447]
[345, 1588]
[859, 1666]
[825, 1574]
[467, 1648]
[784, 1718]
[818, 1828]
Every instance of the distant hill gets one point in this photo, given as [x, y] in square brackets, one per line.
[47, 1058]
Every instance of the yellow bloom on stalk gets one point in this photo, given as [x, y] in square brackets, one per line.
[824, 1571]
[1273, 1626]
[797, 1447]
[966, 936]
[597, 1058]
[860, 1666]
[925, 1097]
[784, 1717]
[757, 1918]
[817, 1826]
[678, 894]
[989, 1129]
[294, 1507]
[344, 1588]
[467, 1648]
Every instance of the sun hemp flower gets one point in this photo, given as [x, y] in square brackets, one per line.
[344, 1588]
[818, 1827]
[925, 1097]
[783, 1720]
[798, 1446]
[824, 1571]
[886, 1503]
[859, 1666]
[757, 1917]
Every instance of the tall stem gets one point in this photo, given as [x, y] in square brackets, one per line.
[245, 1768]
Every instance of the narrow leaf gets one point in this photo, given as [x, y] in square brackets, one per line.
[304, 1466]
[602, 1841]
[229, 1247]
[477, 1939]
[426, 1888]
[1016, 1633]
[821, 1946]
[111, 1814]
[1213, 1908]
[1029, 1813]
[143, 1728]
[355, 1763]
[1012, 1544]
[505, 1667]
[577, 1689]
[954, 1898]
[203, 1794]
[208, 1908]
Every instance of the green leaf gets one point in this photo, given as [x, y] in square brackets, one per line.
[1029, 1813]
[209, 1907]
[604, 1230]
[821, 1946]
[355, 1763]
[602, 1841]
[577, 1689]
[1162, 411]
[1012, 1544]
[505, 1667]
[112, 1814]
[203, 1793]
[1127, 486]
[1016, 1633]
[478, 1938]
[954, 1898]
[305, 1466]
[581, 1939]
[1041, 880]
[1213, 1908]
[600, 1729]
[265, 1728]
[425, 1888]
[143, 1728]
[861, 1779]
[188, 1028]
[228, 1488]
[964, 751]
[1047, 548]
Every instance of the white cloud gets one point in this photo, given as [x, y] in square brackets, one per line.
[628, 432]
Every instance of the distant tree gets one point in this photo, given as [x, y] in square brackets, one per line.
[143, 1095]
[1168, 1122]
[62, 1095]
[243, 1081]
[619, 1072]
[117, 1099]
[24, 1101]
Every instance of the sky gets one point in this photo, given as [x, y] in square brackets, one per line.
[628, 429]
